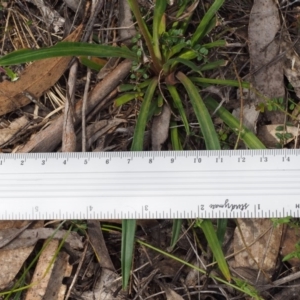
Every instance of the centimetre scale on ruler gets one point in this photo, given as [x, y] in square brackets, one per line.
[141, 185]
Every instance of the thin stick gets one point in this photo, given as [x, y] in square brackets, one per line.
[77, 271]
[84, 105]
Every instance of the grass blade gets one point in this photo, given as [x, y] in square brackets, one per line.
[138, 137]
[65, 49]
[221, 229]
[213, 242]
[177, 222]
[176, 143]
[248, 137]
[126, 98]
[226, 82]
[239, 288]
[134, 6]
[178, 104]
[127, 249]
[159, 9]
[175, 231]
[128, 226]
[207, 127]
[204, 25]
[219, 43]
[214, 65]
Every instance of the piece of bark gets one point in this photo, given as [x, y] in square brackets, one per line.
[49, 139]
[42, 272]
[35, 80]
[98, 244]
[96, 130]
[127, 30]
[56, 290]
[69, 135]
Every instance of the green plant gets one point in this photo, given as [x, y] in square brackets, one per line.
[282, 135]
[215, 245]
[273, 104]
[161, 78]
[294, 254]
[285, 220]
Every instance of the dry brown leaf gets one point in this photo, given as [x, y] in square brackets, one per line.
[11, 261]
[172, 295]
[291, 66]
[30, 236]
[263, 241]
[250, 116]
[264, 23]
[35, 80]
[160, 128]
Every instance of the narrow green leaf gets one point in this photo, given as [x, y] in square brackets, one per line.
[248, 137]
[125, 98]
[13, 76]
[221, 229]
[207, 127]
[193, 267]
[202, 28]
[65, 49]
[213, 242]
[214, 65]
[219, 43]
[176, 143]
[91, 64]
[134, 6]
[177, 222]
[138, 136]
[178, 104]
[175, 49]
[159, 9]
[127, 249]
[181, 10]
[189, 54]
[211, 25]
[175, 231]
[126, 87]
[175, 61]
[226, 82]
[128, 226]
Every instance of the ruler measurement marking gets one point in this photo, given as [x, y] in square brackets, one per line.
[264, 177]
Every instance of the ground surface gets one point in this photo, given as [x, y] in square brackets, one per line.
[41, 112]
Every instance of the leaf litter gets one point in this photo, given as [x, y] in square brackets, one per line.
[255, 249]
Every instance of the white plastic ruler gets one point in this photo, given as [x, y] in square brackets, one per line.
[181, 184]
